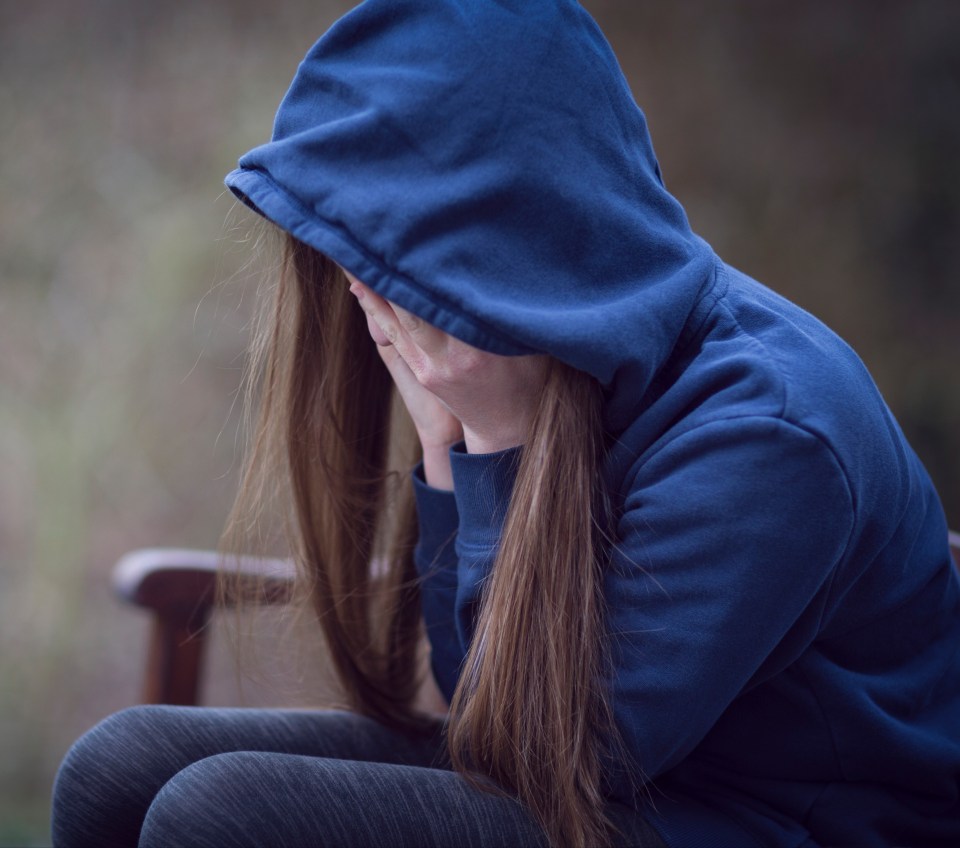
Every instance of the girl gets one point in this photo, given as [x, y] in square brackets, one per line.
[683, 580]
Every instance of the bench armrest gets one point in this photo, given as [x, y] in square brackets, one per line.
[179, 587]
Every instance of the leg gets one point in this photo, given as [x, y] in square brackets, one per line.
[245, 800]
[110, 776]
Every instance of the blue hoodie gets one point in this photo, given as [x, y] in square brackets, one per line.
[783, 615]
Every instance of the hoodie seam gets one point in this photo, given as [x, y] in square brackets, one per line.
[837, 565]
[715, 291]
[783, 385]
[828, 723]
[791, 425]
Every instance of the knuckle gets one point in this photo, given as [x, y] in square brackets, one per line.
[409, 322]
[429, 377]
[470, 361]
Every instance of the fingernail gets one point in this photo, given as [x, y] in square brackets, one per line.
[356, 291]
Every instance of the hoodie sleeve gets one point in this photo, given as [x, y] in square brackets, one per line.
[459, 537]
[436, 561]
[483, 484]
[728, 533]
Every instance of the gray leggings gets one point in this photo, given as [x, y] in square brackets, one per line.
[217, 778]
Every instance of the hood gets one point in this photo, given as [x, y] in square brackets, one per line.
[483, 164]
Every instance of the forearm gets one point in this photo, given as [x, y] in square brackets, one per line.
[459, 536]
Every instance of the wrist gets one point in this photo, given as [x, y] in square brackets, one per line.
[437, 472]
[492, 443]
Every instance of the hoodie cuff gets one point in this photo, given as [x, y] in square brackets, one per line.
[438, 521]
[482, 484]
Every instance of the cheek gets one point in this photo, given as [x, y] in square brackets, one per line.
[376, 333]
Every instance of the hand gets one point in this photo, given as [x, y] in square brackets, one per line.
[437, 428]
[493, 397]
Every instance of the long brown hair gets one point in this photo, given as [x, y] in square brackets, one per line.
[530, 712]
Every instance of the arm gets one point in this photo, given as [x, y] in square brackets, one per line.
[436, 562]
[725, 539]
[453, 392]
[725, 550]
[727, 544]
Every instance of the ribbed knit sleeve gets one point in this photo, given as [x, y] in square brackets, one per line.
[482, 484]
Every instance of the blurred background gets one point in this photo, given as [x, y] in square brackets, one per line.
[816, 145]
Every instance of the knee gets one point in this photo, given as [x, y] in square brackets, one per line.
[106, 752]
[213, 802]
[102, 789]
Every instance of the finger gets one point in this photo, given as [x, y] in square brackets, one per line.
[376, 333]
[404, 379]
[425, 336]
[384, 318]
[358, 290]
